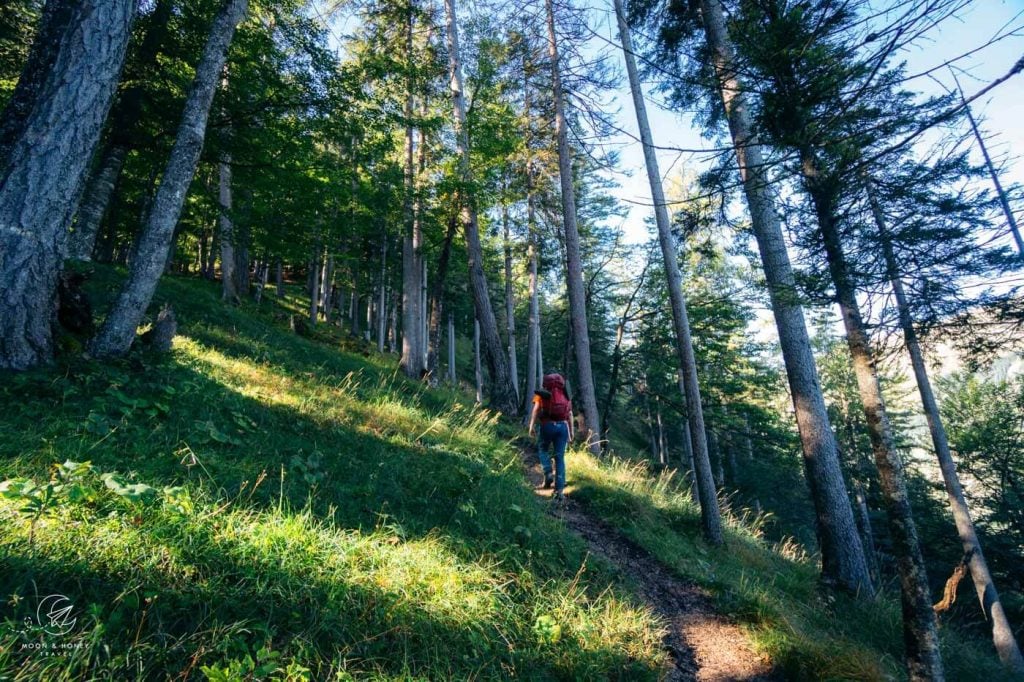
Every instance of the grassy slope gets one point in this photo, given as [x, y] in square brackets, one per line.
[392, 535]
[336, 520]
[809, 633]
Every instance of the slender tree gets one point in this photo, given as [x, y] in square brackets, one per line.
[574, 268]
[118, 331]
[502, 395]
[842, 556]
[710, 514]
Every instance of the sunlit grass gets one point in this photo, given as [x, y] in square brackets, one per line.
[344, 522]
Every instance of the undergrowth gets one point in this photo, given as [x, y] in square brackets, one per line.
[260, 506]
[810, 633]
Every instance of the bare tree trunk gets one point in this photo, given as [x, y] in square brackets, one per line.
[118, 331]
[451, 348]
[262, 273]
[411, 362]
[279, 278]
[1011, 221]
[574, 276]
[124, 121]
[1002, 633]
[476, 362]
[393, 333]
[710, 513]
[533, 361]
[502, 394]
[867, 533]
[920, 634]
[314, 283]
[229, 282]
[48, 133]
[662, 458]
[842, 556]
[437, 298]
[510, 306]
[381, 303]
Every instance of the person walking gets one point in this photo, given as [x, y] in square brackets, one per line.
[552, 407]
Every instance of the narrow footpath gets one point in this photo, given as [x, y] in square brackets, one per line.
[702, 644]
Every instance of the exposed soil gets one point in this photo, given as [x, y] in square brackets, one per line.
[701, 643]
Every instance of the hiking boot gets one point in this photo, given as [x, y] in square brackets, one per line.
[559, 496]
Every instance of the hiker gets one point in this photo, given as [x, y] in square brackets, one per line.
[552, 406]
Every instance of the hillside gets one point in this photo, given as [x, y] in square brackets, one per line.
[286, 508]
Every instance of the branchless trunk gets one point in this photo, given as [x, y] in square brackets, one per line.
[411, 362]
[381, 301]
[478, 372]
[229, 281]
[710, 514]
[451, 348]
[842, 556]
[124, 121]
[1004, 202]
[502, 394]
[49, 132]
[920, 633]
[118, 331]
[574, 267]
[510, 305]
[1002, 634]
[279, 278]
[533, 367]
[314, 283]
[437, 297]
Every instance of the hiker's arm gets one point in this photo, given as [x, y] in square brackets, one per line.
[571, 422]
[533, 417]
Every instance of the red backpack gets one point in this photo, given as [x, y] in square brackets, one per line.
[555, 403]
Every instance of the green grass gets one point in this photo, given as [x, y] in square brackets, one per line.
[303, 512]
[325, 519]
[772, 589]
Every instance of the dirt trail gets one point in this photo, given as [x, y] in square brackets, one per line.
[702, 645]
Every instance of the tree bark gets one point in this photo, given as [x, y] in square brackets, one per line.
[124, 121]
[279, 279]
[451, 348]
[118, 331]
[842, 556]
[1011, 221]
[710, 513]
[50, 130]
[437, 298]
[502, 395]
[411, 362]
[476, 362]
[920, 633]
[585, 391]
[510, 305]
[229, 282]
[381, 303]
[1002, 633]
[314, 283]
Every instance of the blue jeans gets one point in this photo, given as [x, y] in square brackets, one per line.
[554, 436]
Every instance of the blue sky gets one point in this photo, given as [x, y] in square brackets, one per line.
[1002, 110]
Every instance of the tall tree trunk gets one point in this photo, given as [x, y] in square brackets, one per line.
[1004, 202]
[920, 634]
[411, 362]
[1002, 633]
[437, 298]
[510, 305]
[842, 556]
[229, 282]
[533, 327]
[502, 395]
[124, 121]
[662, 458]
[118, 331]
[710, 514]
[314, 283]
[476, 362]
[451, 348]
[48, 133]
[574, 267]
[381, 302]
[58, 17]
[279, 278]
